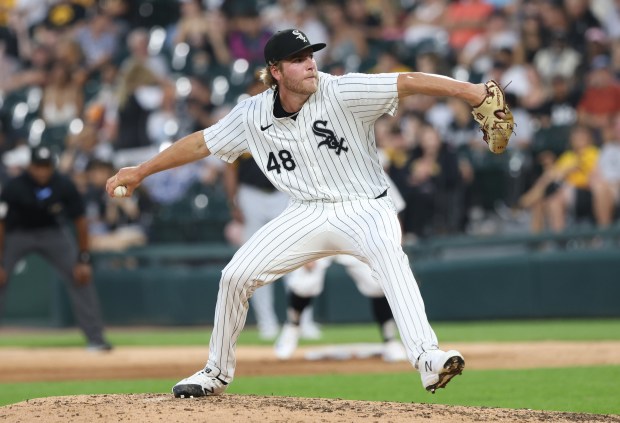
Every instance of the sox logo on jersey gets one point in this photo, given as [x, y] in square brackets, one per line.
[330, 139]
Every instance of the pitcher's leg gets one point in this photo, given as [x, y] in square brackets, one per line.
[378, 235]
[258, 208]
[377, 232]
[279, 247]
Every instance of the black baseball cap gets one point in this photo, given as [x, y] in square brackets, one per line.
[42, 155]
[286, 43]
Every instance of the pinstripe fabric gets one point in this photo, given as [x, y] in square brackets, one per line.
[327, 161]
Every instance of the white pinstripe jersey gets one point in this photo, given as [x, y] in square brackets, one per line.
[329, 152]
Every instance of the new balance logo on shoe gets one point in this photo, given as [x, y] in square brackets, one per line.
[428, 367]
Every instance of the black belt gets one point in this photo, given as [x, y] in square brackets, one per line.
[267, 190]
[383, 194]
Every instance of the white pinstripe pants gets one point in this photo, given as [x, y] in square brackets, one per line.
[304, 232]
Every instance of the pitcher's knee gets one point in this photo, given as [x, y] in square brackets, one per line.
[239, 279]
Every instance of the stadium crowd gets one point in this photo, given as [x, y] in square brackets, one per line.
[106, 83]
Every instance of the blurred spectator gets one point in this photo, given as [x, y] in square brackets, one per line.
[605, 182]
[8, 66]
[478, 53]
[30, 12]
[601, 98]
[33, 73]
[597, 44]
[248, 36]
[463, 132]
[162, 125]
[559, 58]
[423, 25]
[347, 43]
[359, 13]
[199, 108]
[138, 44]
[204, 33]
[80, 149]
[554, 17]
[463, 137]
[532, 36]
[615, 58]
[397, 140]
[432, 175]
[581, 18]
[36, 209]
[66, 14]
[560, 109]
[464, 19]
[119, 12]
[114, 224]
[98, 39]
[608, 13]
[520, 79]
[141, 90]
[102, 107]
[68, 51]
[63, 97]
[564, 185]
[388, 61]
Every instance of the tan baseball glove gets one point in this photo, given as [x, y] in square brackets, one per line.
[495, 118]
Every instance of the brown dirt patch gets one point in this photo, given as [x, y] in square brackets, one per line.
[23, 364]
[40, 364]
[244, 408]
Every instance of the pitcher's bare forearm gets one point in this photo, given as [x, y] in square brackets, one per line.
[440, 86]
[186, 150]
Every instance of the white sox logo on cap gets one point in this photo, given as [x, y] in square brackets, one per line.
[300, 36]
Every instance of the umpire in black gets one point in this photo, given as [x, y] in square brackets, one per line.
[36, 209]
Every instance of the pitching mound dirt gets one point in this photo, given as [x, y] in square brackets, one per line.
[241, 408]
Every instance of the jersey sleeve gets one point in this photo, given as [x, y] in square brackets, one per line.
[227, 138]
[369, 96]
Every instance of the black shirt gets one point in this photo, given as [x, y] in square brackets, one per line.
[250, 174]
[30, 206]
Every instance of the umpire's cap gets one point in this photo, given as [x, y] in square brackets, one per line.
[42, 155]
[286, 43]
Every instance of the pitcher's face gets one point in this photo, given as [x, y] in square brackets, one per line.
[299, 73]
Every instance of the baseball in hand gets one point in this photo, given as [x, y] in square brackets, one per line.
[120, 191]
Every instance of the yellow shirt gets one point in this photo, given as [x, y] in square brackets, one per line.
[5, 8]
[583, 165]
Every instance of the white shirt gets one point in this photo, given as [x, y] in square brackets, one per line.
[609, 162]
[329, 152]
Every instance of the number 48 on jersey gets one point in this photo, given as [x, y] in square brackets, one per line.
[286, 161]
